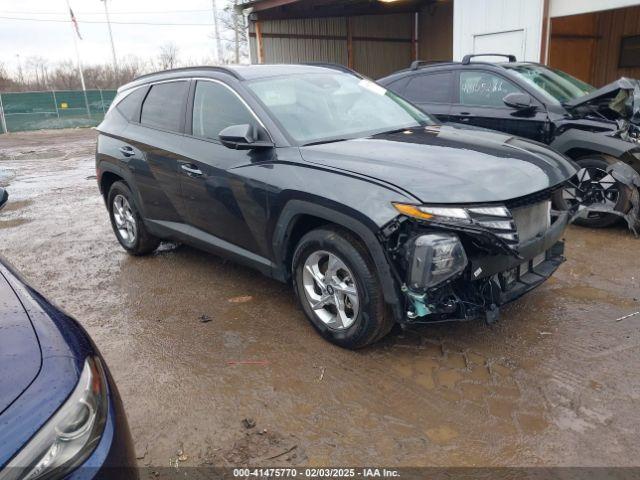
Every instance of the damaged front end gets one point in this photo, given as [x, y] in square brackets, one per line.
[588, 195]
[463, 263]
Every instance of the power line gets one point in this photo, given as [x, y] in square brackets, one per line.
[103, 22]
[102, 13]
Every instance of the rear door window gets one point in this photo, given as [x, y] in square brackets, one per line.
[164, 106]
[484, 89]
[430, 88]
[216, 107]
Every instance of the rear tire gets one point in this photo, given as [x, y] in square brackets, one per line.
[596, 163]
[365, 318]
[127, 222]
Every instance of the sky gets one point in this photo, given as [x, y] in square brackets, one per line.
[54, 40]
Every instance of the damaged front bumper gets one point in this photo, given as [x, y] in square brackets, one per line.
[490, 276]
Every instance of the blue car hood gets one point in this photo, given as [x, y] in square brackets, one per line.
[20, 355]
[42, 352]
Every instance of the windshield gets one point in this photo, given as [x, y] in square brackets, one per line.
[553, 84]
[317, 107]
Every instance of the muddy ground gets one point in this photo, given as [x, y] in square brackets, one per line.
[197, 345]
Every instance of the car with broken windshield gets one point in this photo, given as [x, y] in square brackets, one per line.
[597, 128]
[315, 176]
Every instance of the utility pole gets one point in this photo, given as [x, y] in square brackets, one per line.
[113, 47]
[216, 32]
[236, 27]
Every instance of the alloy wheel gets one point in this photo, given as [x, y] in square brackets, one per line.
[329, 287]
[593, 187]
[124, 219]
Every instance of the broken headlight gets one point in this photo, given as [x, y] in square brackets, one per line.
[435, 258]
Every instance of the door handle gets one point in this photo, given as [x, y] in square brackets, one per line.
[191, 170]
[127, 151]
[464, 113]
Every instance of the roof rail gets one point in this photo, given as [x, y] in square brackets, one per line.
[334, 66]
[466, 60]
[418, 63]
[186, 69]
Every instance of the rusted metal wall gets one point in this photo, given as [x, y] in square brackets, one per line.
[374, 57]
[381, 44]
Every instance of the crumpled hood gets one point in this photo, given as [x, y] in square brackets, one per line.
[616, 100]
[449, 164]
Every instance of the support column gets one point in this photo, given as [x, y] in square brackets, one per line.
[349, 43]
[259, 46]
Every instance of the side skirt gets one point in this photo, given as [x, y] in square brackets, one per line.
[181, 232]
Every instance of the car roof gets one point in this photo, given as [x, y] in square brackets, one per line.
[239, 72]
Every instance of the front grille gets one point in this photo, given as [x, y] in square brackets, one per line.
[532, 220]
[516, 225]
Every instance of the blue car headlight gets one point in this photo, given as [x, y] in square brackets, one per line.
[70, 436]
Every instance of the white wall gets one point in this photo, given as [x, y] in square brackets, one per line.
[561, 8]
[510, 26]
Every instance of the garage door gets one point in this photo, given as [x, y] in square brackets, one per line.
[506, 42]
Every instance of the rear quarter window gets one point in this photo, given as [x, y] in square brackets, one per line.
[164, 106]
[129, 106]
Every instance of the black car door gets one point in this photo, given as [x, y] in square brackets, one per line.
[479, 102]
[221, 198]
[152, 150]
[432, 92]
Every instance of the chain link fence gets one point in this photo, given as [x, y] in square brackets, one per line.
[53, 109]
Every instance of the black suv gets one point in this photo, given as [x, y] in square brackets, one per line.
[593, 127]
[320, 177]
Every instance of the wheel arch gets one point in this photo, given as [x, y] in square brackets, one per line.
[107, 179]
[299, 217]
[576, 143]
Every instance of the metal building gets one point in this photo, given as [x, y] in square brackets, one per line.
[372, 37]
[595, 40]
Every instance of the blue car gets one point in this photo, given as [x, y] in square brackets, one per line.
[60, 412]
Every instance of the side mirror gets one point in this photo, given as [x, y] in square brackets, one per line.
[519, 101]
[4, 196]
[241, 137]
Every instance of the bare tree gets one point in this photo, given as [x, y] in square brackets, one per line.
[234, 24]
[37, 72]
[168, 57]
[6, 82]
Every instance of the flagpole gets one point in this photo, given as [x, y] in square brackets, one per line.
[84, 88]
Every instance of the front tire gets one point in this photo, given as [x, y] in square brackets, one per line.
[336, 284]
[127, 222]
[592, 175]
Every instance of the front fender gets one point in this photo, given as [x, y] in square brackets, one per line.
[599, 142]
[366, 232]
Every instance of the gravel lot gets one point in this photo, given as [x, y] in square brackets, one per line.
[197, 345]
